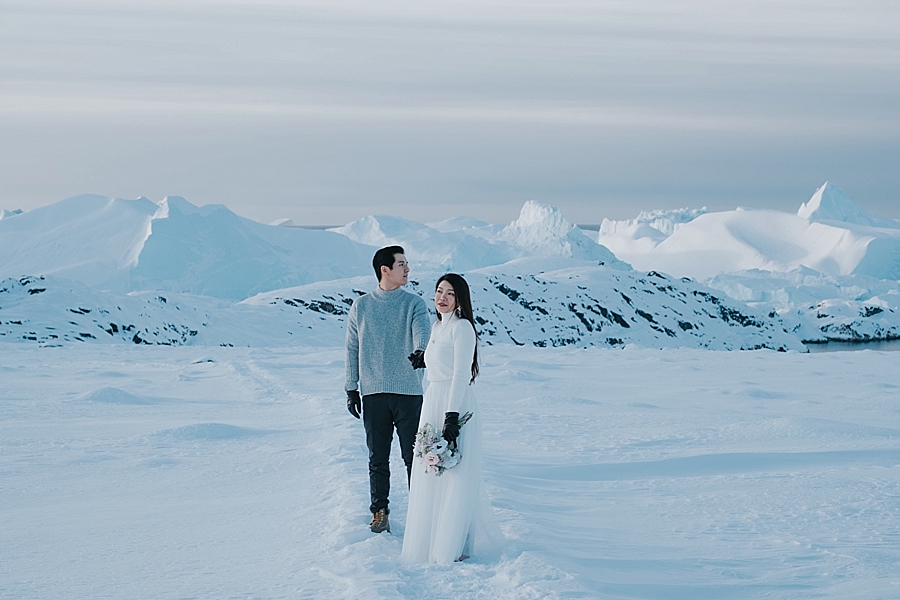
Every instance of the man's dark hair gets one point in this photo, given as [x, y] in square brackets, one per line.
[386, 257]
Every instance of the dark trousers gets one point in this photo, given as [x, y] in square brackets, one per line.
[381, 414]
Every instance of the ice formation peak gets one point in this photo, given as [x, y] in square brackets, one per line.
[830, 203]
[543, 231]
[283, 223]
[538, 220]
[540, 228]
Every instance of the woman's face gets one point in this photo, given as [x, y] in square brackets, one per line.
[445, 298]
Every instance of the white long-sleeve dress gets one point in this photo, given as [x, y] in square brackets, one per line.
[449, 514]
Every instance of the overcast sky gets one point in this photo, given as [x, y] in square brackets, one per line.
[326, 112]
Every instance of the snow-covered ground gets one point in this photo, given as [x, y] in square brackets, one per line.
[207, 472]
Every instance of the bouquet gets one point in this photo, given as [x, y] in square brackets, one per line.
[434, 451]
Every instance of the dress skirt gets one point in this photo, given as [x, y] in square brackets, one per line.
[449, 514]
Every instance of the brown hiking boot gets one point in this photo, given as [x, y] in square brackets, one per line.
[380, 522]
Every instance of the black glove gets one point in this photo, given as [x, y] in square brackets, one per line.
[417, 359]
[354, 402]
[451, 427]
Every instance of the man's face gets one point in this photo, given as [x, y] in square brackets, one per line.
[393, 278]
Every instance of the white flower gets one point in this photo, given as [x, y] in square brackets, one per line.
[434, 451]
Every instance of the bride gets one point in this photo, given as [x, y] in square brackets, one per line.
[449, 512]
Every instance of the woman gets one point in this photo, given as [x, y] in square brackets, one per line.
[449, 512]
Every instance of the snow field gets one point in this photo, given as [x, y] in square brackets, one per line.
[237, 473]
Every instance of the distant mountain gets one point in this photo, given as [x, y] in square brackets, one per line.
[427, 247]
[174, 246]
[134, 245]
[542, 231]
[463, 244]
[818, 307]
[534, 302]
[830, 235]
[664, 222]
[97, 269]
[53, 312]
[89, 238]
[213, 252]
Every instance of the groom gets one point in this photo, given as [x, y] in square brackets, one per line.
[384, 327]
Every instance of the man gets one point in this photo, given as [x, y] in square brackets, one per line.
[385, 328]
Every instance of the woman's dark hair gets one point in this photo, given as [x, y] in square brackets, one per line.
[463, 309]
[386, 257]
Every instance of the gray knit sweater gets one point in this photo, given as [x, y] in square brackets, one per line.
[382, 330]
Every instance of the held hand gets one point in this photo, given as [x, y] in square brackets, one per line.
[451, 427]
[417, 359]
[354, 402]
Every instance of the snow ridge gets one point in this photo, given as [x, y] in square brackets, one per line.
[53, 312]
[535, 302]
[820, 308]
[554, 303]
